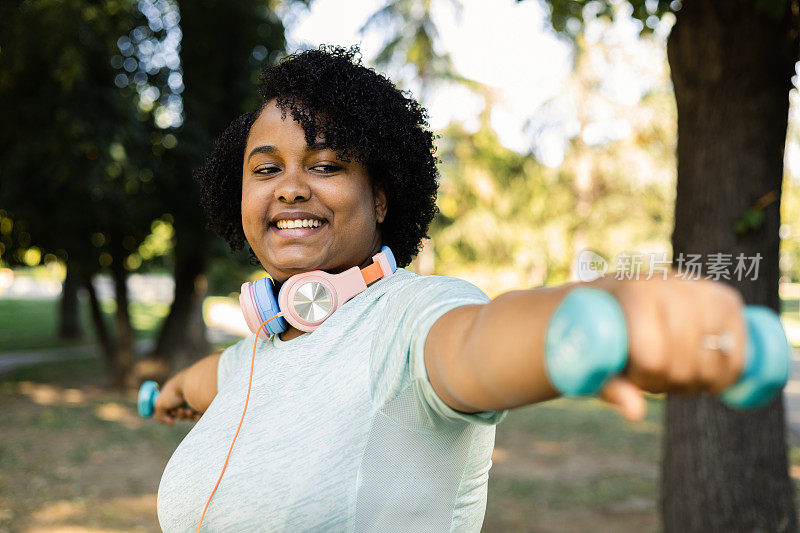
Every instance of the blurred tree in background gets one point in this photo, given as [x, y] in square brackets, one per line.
[74, 153]
[223, 47]
[731, 66]
[104, 121]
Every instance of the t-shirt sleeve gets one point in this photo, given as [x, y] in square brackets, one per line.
[224, 365]
[230, 357]
[430, 297]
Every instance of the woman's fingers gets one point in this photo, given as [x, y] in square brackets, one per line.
[648, 335]
[185, 413]
[164, 417]
[189, 414]
[167, 407]
[169, 416]
[725, 363]
[627, 398]
[674, 326]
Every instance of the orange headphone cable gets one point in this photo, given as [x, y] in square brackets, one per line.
[252, 363]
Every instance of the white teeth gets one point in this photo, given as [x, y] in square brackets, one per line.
[305, 223]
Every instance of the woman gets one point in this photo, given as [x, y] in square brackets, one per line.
[381, 419]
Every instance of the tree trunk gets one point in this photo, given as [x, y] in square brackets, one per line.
[69, 327]
[107, 344]
[725, 470]
[123, 358]
[183, 336]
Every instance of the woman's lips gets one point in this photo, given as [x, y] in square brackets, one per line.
[296, 233]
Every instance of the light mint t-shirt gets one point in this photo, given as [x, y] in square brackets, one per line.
[343, 431]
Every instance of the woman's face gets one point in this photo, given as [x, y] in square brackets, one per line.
[285, 179]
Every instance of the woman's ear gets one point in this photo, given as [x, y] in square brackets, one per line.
[380, 203]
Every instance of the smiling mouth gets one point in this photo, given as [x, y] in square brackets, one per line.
[296, 233]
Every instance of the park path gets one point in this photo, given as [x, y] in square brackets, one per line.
[11, 360]
[18, 358]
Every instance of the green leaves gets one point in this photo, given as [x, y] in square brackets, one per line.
[569, 17]
[753, 217]
[751, 220]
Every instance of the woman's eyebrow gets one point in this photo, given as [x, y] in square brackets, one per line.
[263, 149]
[268, 149]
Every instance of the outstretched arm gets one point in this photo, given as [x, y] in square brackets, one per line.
[491, 357]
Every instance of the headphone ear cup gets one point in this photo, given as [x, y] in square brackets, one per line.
[267, 306]
[247, 303]
[390, 258]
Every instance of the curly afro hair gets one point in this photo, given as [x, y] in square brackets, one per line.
[362, 116]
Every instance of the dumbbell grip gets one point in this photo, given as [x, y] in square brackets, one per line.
[586, 343]
[146, 401]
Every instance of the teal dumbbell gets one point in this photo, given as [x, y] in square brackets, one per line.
[148, 394]
[586, 343]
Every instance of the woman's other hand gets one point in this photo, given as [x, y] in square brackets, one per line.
[171, 404]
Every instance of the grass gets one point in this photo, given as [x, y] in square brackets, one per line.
[574, 465]
[74, 454]
[33, 324]
[76, 457]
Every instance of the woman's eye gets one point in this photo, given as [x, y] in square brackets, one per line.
[327, 169]
[266, 170]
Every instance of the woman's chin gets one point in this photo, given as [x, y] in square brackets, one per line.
[286, 267]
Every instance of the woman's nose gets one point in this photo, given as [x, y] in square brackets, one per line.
[292, 187]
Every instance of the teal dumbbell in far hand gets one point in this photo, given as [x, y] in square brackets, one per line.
[586, 343]
[148, 394]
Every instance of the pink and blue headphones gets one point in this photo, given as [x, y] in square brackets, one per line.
[306, 300]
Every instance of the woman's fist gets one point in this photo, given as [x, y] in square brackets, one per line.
[171, 405]
[684, 336]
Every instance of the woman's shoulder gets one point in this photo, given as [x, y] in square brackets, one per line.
[402, 278]
[405, 279]
[410, 288]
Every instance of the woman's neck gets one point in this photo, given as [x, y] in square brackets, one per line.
[289, 334]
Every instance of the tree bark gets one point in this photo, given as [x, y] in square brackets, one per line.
[182, 338]
[69, 314]
[218, 39]
[725, 470]
[123, 358]
[107, 344]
